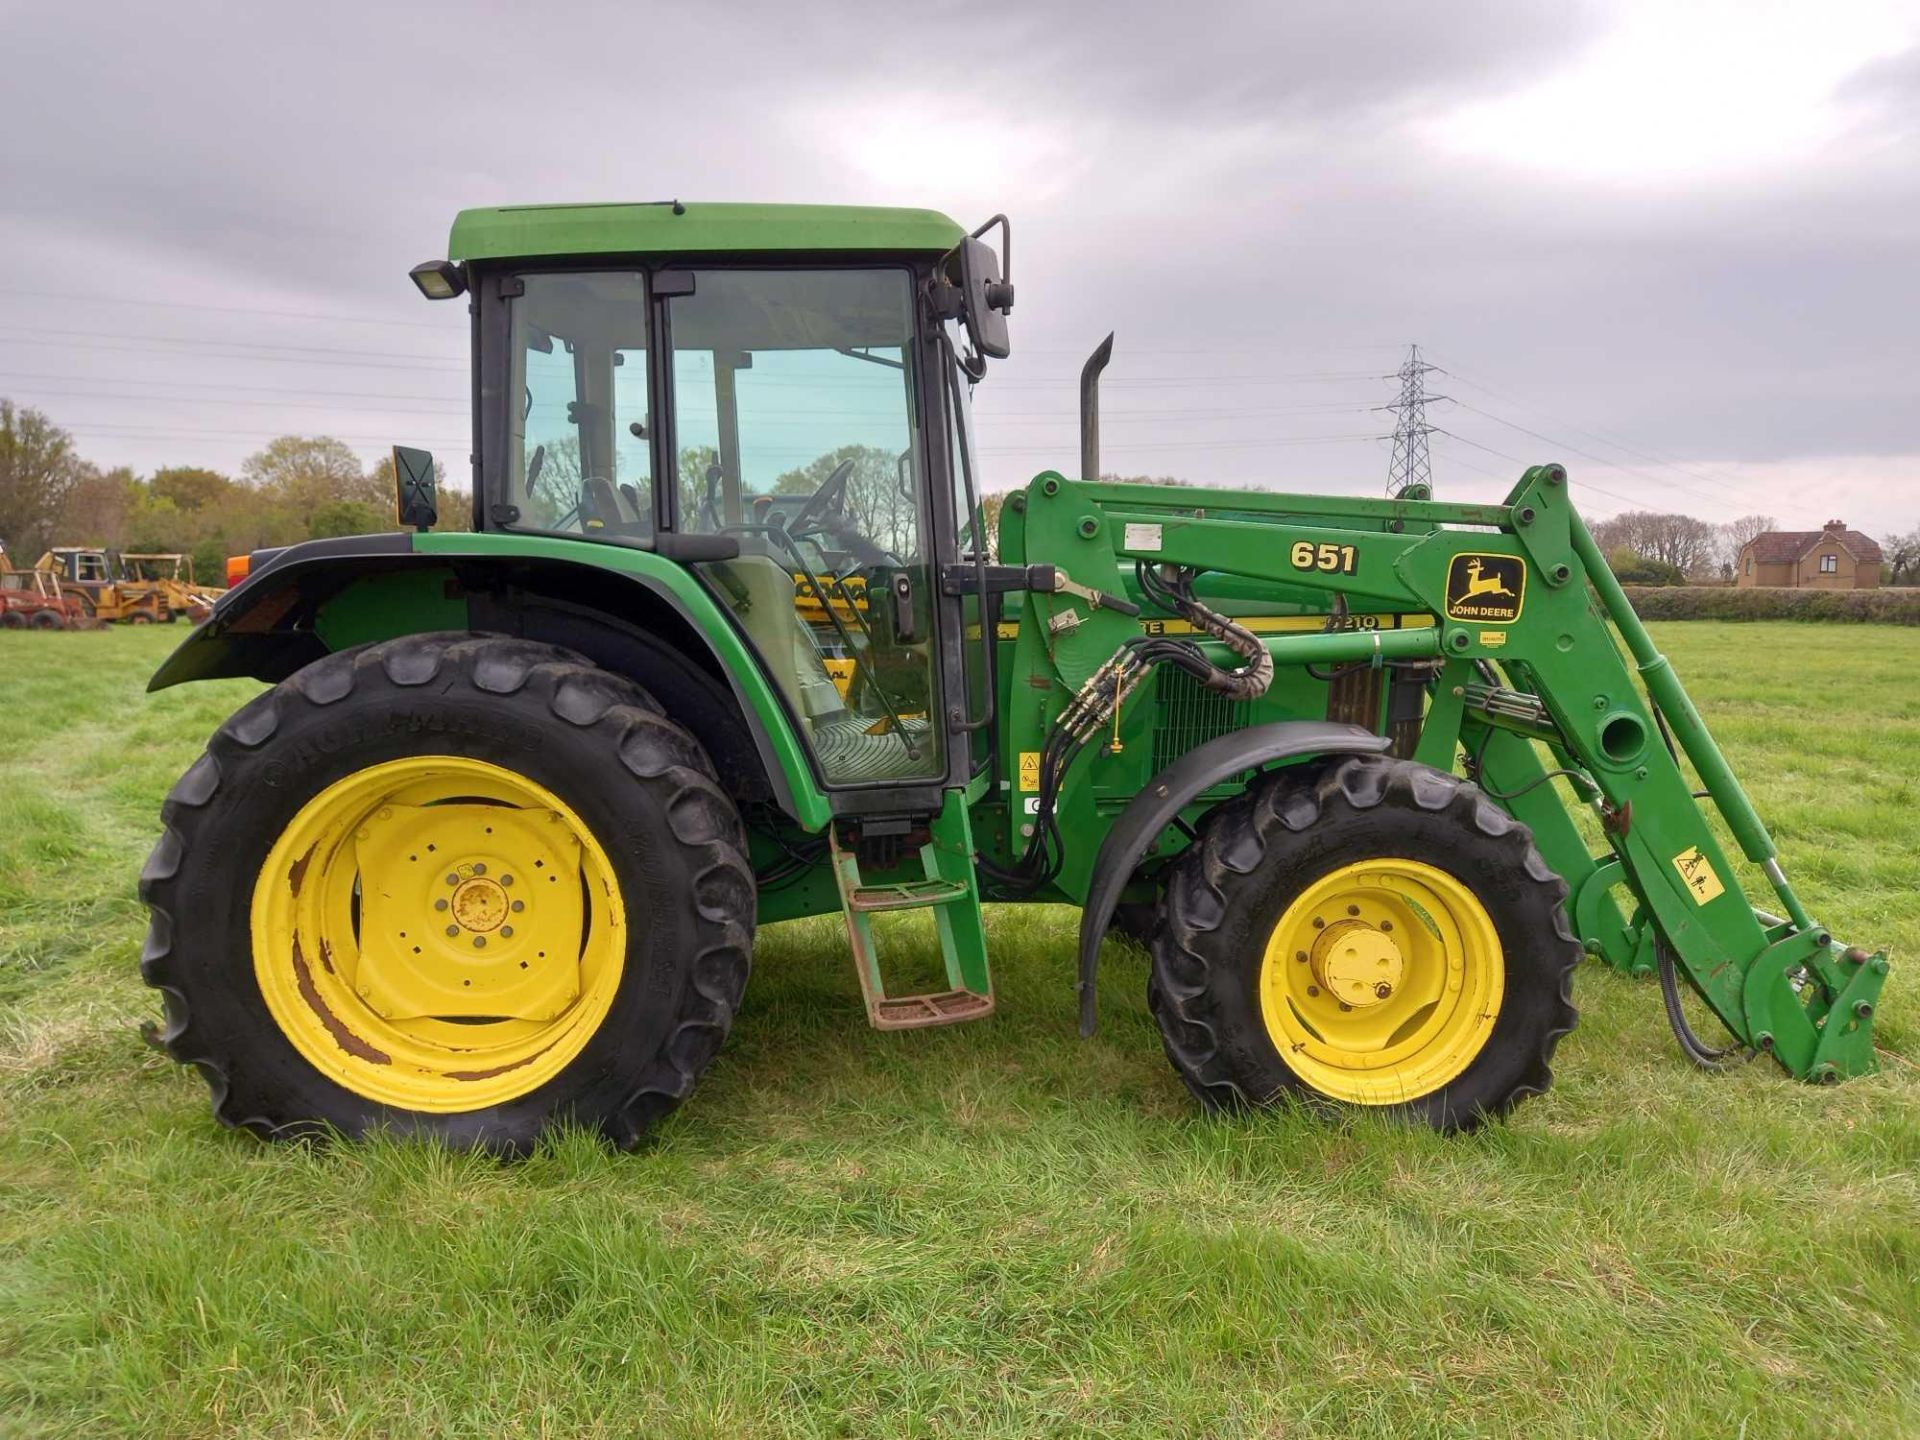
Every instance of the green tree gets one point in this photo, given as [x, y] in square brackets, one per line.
[38, 470]
[191, 488]
[347, 517]
[1630, 567]
[305, 474]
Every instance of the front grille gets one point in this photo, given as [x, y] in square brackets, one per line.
[1191, 715]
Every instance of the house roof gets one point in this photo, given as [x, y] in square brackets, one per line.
[1783, 547]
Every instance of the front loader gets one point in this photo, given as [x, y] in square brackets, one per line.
[728, 644]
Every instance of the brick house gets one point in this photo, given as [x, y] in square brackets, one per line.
[1830, 558]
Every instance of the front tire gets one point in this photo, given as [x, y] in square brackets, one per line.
[449, 885]
[1367, 932]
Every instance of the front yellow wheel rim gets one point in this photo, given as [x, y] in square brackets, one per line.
[1382, 981]
[438, 933]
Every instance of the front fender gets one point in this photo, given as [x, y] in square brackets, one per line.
[284, 616]
[1171, 791]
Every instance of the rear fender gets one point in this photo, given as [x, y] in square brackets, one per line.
[626, 609]
[1175, 788]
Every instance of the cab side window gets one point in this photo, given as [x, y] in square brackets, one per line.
[579, 455]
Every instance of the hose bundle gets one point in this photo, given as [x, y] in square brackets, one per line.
[1096, 703]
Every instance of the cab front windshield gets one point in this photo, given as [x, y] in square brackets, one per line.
[795, 431]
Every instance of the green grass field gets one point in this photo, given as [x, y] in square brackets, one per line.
[994, 1230]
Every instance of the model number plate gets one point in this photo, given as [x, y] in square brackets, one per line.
[1328, 559]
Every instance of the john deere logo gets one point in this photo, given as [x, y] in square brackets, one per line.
[1486, 588]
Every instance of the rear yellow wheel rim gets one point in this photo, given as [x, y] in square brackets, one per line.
[438, 934]
[1382, 981]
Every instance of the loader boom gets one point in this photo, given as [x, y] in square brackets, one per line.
[1525, 625]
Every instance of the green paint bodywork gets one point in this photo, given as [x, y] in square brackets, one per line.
[513, 232]
[751, 684]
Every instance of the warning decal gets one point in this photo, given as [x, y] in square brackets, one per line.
[1029, 771]
[1486, 589]
[1694, 868]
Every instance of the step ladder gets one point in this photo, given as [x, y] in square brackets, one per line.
[951, 893]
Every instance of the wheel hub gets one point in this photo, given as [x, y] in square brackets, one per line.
[493, 933]
[1357, 963]
[480, 905]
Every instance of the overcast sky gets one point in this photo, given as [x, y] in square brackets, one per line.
[1677, 241]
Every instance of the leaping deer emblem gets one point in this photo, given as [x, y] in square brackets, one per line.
[1478, 584]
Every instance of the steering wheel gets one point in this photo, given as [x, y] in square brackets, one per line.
[831, 495]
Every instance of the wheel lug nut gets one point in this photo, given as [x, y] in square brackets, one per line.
[453, 929]
[439, 904]
[1313, 989]
[479, 942]
[1353, 909]
[506, 879]
[1318, 923]
[506, 932]
[1386, 925]
[453, 879]
[1383, 990]
[518, 906]
[1300, 955]
[481, 870]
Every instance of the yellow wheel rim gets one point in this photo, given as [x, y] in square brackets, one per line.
[1382, 981]
[438, 933]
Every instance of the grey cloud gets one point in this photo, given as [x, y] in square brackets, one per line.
[1240, 190]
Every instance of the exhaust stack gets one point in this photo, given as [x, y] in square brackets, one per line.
[1090, 408]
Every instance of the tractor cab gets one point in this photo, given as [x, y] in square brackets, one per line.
[787, 422]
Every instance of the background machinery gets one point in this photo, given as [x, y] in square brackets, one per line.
[99, 582]
[728, 644]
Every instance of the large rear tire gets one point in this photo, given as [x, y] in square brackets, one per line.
[449, 885]
[1366, 932]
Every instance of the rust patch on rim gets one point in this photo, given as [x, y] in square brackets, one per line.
[326, 954]
[498, 1069]
[342, 1036]
[298, 872]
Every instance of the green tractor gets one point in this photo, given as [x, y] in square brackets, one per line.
[728, 644]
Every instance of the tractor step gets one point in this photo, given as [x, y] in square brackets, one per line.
[910, 895]
[917, 1012]
[949, 891]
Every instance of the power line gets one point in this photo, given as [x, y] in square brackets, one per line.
[320, 316]
[1667, 462]
[1584, 484]
[1589, 455]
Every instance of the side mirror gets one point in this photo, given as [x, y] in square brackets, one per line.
[988, 296]
[415, 499]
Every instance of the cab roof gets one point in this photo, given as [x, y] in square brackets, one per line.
[512, 232]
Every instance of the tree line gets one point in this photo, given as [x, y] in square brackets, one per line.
[300, 487]
[294, 488]
[1649, 548]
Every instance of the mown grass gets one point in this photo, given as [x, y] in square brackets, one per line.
[995, 1230]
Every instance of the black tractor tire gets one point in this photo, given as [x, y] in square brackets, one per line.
[45, 620]
[12, 620]
[601, 744]
[1256, 853]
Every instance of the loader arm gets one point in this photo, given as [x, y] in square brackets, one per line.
[1537, 648]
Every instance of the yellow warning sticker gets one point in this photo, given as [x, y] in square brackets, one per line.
[1493, 639]
[1695, 869]
[1029, 771]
